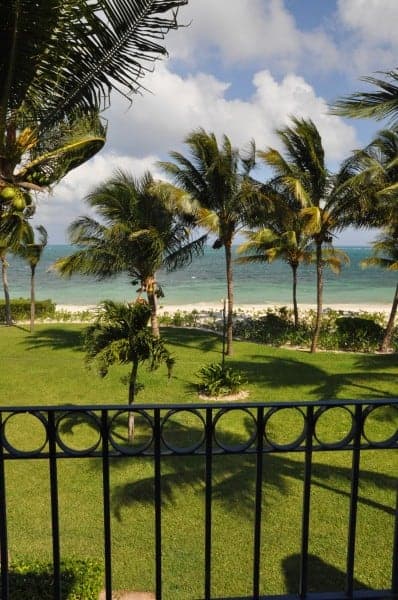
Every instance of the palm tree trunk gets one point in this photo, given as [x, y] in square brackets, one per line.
[319, 296]
[132, 388]
[32, 297]
[295, 307]
[7, 305]
[230, 293]
[150, 286]
[385, 345]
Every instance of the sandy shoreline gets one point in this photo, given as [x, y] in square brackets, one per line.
[243, 309]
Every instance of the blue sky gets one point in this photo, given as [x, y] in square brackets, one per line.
[242, 67]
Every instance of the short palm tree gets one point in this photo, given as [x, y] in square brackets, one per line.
[144, 225]
[267, 245]
[217, 178]
[31, 250]
[120, 335]
[385, 255]
[302, 171]
[379, 104]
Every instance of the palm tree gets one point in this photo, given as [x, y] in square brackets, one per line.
[31, 251]
[120, 336]
[59, 63]
[385, 255]
[269, 244]
[14, 226]
[217, 177]
[144, 226]
[303, 172]
[379, 104]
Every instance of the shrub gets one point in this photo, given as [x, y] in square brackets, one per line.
[80, 580]
[358, 333]
[20, 309]
[218, 380]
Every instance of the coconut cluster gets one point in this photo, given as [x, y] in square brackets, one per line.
[15, 198]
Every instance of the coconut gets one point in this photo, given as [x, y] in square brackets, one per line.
[8, 192]
[18, 202]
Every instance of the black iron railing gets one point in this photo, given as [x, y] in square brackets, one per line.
[152, 440]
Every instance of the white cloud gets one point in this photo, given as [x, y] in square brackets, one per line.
[243, 31]
[372, 42]
[159, 122]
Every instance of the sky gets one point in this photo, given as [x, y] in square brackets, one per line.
[241, 68]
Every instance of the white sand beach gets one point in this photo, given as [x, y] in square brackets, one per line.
[240, 309]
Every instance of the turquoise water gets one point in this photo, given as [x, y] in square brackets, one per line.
[204, 281]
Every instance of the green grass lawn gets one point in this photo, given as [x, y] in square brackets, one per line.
[47, 367]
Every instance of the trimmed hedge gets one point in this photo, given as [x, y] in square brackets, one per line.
[359, 333]
[20, 309]
[80, 580]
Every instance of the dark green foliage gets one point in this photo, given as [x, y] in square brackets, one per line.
[219, 380]
[274, 329]
[358, 333]
[80, 580]
[20, 309]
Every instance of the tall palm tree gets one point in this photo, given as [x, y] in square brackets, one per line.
[385, 255]
[59, 63]
[217, 177]
[144, 225]
[31, 250]
[379, 104]
[302, 171]
[120, 336]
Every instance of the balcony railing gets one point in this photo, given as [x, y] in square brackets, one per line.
[207, 442]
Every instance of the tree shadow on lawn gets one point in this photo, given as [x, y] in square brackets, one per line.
[234, 477]
[192, 338]
[275, 373]
[322, 577]
[55, 338]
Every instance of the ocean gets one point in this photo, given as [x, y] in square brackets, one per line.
[204, 281]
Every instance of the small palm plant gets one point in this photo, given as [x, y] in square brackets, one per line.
[120, 335]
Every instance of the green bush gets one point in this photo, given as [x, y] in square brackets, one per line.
[219, 380]
[358, 333]
[20, 309]
[80, 580]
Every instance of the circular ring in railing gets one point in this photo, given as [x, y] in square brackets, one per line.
[250, 425]
[17, 430]
[177, 429]
[79, 426]
[386, 421]
[143, 433]
[321, 417]
[279, 421]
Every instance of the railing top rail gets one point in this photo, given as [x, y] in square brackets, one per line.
[201, 405]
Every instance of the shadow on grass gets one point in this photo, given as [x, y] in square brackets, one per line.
[234, 477]
[55, 338]
[322, 577]
[279, 373]
[192, 338]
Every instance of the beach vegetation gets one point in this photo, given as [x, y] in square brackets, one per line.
[217, 177]
[120, 336]
[59, 63]
[301, 168]
[142, 226]
[21, 309]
